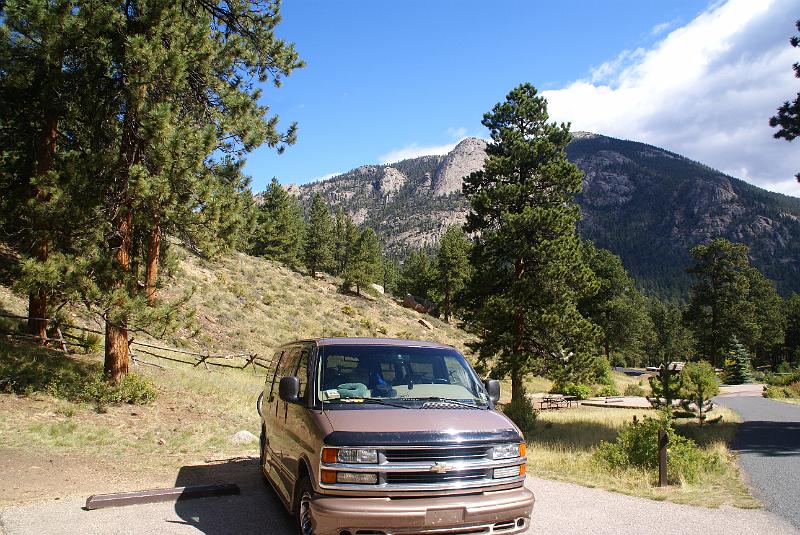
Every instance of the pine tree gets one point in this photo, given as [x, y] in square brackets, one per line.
[364, 263]
[452, 267]
[792, 334]
[617, 308]
[47, 203]
[528, 270]
[769, 319]
[699, 386]
[391, 274]
[417, 276]
[671, 343]
[719, 305]
[280, 227]
[340, 240]
[738, 368]
[788, 116]
[318, 246]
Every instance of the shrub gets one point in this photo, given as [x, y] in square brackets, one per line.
[69, 379]
[636, 446]
[580, 391]
[634, 390]
[782, 379]
[523, 414]
[699, 386]
[608, 391]
[792, 390]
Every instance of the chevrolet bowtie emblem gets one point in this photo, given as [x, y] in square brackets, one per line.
[440, 468]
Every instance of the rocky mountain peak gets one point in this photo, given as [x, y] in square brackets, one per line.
[467, 157]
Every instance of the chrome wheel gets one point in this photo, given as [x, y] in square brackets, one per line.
[304, 514]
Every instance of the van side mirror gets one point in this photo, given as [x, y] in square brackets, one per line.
[493, 389]
[289, 389]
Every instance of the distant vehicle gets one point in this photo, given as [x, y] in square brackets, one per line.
[384, 436]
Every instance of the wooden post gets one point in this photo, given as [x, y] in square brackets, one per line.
[663, 441]
[61, 338]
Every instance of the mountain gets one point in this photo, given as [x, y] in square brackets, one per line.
[646, 204]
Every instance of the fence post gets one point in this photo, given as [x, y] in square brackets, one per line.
[61, 338]
[663, 441]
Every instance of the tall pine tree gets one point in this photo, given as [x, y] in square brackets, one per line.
[528, 270]
[280, 229]
[364, 262]
[452, 267]
[318, 245]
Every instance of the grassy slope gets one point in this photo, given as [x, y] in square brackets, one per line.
[249, 304]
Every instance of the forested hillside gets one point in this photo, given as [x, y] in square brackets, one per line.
[646, 204]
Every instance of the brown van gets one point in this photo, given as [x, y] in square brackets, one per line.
[363, 436]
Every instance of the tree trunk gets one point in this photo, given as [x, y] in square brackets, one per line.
[45, 155]
[153, 254]
[116, 351]
[116, 355]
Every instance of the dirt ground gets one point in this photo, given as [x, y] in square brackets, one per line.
[31, 476]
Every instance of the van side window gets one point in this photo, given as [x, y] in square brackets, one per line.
[301, 371]
[274, 366]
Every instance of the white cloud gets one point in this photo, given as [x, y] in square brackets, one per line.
[457, 133]
[414, 150]
[706, 90]
[323, 177]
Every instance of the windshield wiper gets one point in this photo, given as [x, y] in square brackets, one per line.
[378, 401]
[447, 400]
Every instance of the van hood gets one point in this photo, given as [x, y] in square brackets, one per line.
[422, 427]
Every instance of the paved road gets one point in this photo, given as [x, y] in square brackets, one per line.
[769, 451]
[561, 508]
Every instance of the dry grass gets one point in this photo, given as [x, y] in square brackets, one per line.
[252, 305]
[565, 441]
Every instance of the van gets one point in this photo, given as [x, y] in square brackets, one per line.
[364, 436]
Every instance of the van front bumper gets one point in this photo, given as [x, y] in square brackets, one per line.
[502, 511]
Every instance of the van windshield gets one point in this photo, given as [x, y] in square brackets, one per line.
[413, 376]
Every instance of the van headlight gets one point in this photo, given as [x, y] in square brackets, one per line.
[508, 451]
[350, 455]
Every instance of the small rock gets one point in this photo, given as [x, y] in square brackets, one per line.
[161, 441]
[426, 324]
[243, 437]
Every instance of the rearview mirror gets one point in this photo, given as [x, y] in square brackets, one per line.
[493, 389]
[289, 389]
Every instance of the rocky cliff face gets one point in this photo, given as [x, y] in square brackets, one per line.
[648, 205]
[466, 158]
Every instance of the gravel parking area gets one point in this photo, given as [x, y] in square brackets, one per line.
[561, 508]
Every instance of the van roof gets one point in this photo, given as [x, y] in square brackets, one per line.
[371, 341]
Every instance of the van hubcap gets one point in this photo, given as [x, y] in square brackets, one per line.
[305, 513]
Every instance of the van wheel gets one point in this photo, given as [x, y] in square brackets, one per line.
[302, 507]
[262, 454]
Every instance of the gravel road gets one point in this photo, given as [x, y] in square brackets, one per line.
[561, 508]
[769, 451]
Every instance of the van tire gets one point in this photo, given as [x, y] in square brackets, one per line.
[261, 454]
[302, 507]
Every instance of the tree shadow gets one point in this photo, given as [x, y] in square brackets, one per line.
[256, 510]
[768, 439]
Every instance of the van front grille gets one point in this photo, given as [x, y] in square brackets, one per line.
[464, 453]
[433, 477]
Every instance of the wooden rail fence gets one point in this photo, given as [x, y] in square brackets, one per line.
[137, 348]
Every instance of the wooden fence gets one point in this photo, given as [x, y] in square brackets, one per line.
[65, 340]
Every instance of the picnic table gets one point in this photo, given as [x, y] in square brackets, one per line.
[557, 401]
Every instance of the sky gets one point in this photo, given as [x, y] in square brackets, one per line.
[386, 81]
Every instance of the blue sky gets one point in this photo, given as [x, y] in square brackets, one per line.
[386, 80]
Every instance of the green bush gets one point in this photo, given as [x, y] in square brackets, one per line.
[792, 390]
[636, 446]
[782, 379]
[523, 414]
[580, 391]
[634, 390]
[65, 378]
[608, 391]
